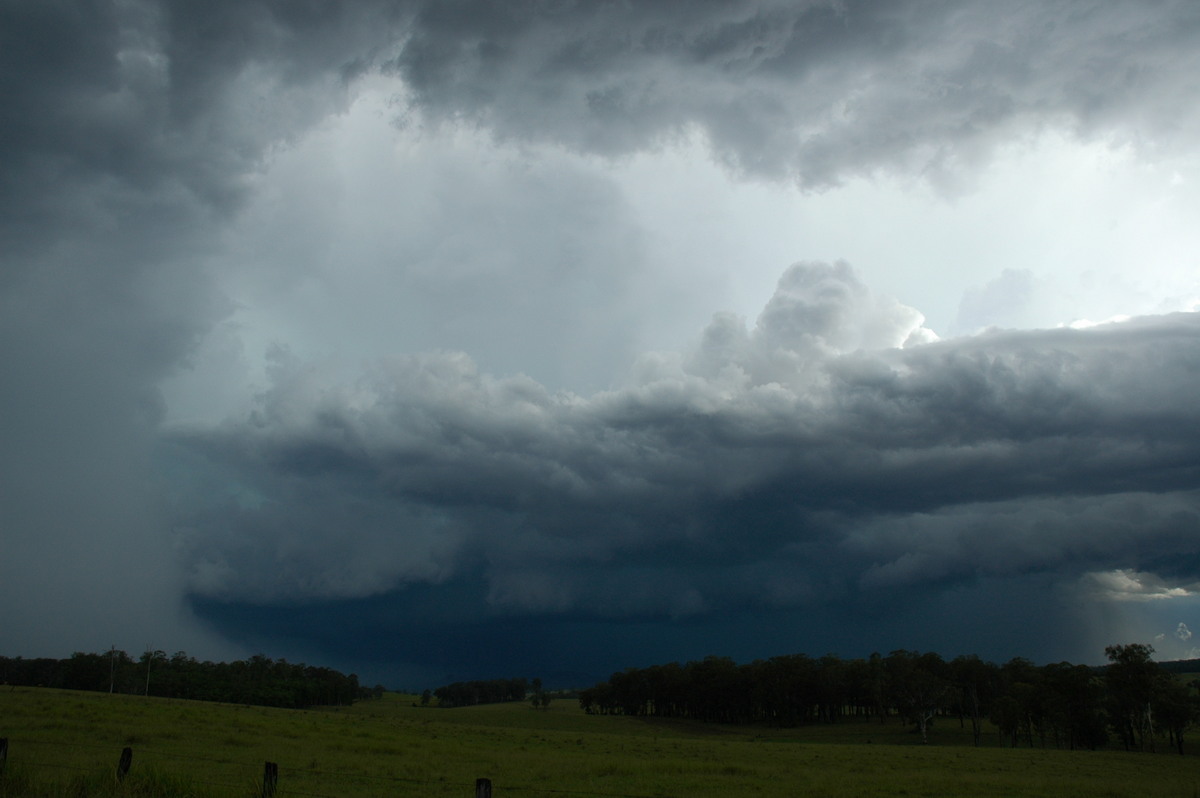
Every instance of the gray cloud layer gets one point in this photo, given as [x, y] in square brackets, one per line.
[812, 91]
[129, 134]
[780, 466]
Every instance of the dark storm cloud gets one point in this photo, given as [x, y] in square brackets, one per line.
[136, 99]
[128, 132]
[814, 91]
[793, 470]
[774, 467]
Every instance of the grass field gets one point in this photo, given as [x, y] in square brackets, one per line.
[64, 743]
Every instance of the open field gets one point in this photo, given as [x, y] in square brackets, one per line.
[68, 743]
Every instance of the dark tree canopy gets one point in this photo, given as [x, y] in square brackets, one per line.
[1060, 704]
[258, 680]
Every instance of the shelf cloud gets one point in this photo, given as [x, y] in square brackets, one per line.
[434, 339]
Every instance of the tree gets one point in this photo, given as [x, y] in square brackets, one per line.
[1022, 683]
[87, 672]
[1074, 698]
[917, 685]
[832, 682]
[540, 698]
[1176, 708]
[150, 657]
[1130, 679]
[1006, 714]
[974, 682]
[878, 685]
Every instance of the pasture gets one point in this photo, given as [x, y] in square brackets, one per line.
[66, 743]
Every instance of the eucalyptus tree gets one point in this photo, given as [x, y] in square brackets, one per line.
[975, 683]
[1131, 679]
[918, 685]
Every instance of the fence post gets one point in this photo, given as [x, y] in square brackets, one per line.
[483, 788]
[124, 763]
[3, 754]
[270, 779]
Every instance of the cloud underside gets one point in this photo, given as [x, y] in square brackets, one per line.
[781, 465]
[811, 92]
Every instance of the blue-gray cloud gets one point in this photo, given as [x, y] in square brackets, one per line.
[794, 471]
[812, 92]
[129, 136]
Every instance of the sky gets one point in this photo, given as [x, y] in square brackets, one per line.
[448, 340]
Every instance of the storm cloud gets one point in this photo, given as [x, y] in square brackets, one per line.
[813, 91]
[782, 466]
[328, 327]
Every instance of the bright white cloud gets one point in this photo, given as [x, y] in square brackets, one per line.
[1130, 585]
[367, 239]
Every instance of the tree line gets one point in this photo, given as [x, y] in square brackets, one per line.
[490, 691]
[1132, 700]
[258, 680]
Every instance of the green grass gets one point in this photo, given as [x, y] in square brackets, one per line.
[64, 743]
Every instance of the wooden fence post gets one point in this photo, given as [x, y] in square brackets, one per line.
[270, 779]
[124, 763]
[483, 788]
[3, 754]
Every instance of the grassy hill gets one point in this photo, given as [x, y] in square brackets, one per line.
[67, 743]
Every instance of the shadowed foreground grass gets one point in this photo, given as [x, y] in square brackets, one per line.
[64, 743]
